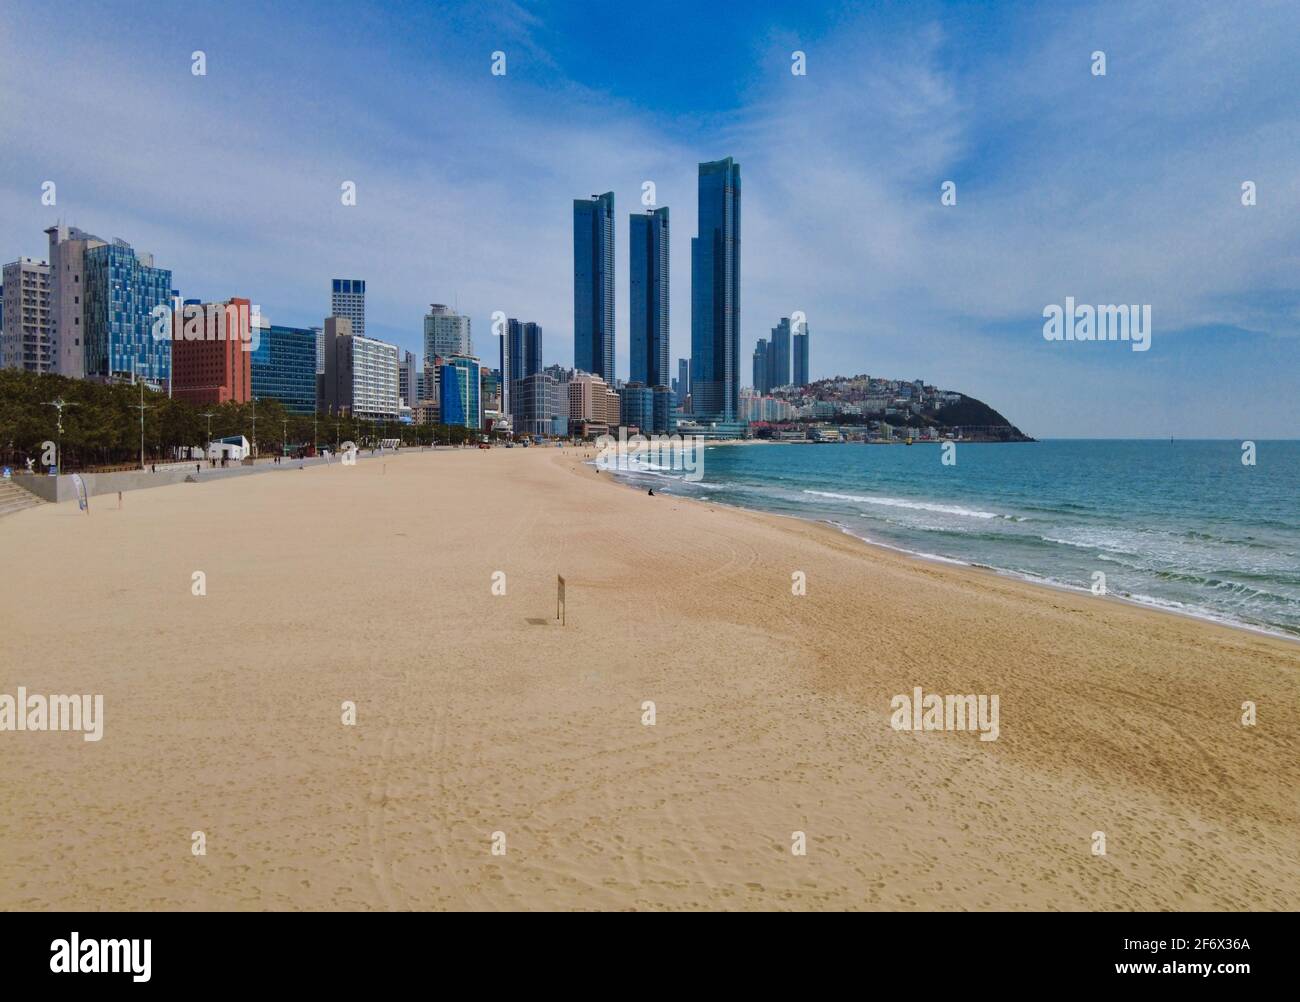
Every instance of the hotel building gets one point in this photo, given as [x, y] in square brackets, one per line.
[594, 408]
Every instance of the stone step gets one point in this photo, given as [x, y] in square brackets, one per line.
[14, 498]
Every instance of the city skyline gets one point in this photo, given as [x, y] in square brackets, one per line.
[856, 237]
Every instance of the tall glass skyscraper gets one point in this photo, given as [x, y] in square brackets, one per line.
[523, 351]
[648, 296]
[284, 367]
[778, 355]
[446, 333]
[122, 289]
[715, 294]
[762, 366]
[593, 285]
[801, 355]
[521, 357]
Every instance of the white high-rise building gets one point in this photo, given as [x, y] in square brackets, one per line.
[27, 341]
[348, 299]
[360, 375]
[446, 333]
[320, 350]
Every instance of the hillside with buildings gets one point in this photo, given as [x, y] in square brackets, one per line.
[869, 408]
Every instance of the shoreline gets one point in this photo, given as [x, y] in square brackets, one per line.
[935, 558]
[1154, 605]
[478, 713]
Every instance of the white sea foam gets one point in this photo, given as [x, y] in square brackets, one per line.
[944, 509]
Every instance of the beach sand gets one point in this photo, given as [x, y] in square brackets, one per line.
[477, 713]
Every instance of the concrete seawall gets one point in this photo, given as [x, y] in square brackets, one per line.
[61, 488]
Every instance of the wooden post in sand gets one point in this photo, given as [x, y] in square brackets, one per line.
[559, 599]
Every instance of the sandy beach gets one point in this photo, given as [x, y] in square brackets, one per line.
[477, 713]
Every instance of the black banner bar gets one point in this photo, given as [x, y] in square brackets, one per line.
[911, 952]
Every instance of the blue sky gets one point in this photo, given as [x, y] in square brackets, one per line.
[1116, 189]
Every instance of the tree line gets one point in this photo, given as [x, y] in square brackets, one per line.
[101, 424]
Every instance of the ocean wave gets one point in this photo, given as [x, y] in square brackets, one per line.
[943, 509]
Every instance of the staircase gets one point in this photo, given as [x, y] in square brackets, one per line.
[14, 498]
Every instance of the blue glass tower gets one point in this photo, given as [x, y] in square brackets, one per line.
[521, 357]
[778, 361]
[593, 285]
[523, 350]
[458, 392]
[648, 296]
[284, 367]
[801, 356]
[715, 294]
[121, 293]
[762, 366]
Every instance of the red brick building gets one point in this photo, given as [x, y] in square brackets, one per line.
[212, 353]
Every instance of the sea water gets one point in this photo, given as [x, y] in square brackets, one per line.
[1183, 525]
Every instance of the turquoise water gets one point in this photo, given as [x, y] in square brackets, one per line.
[1181, 525]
